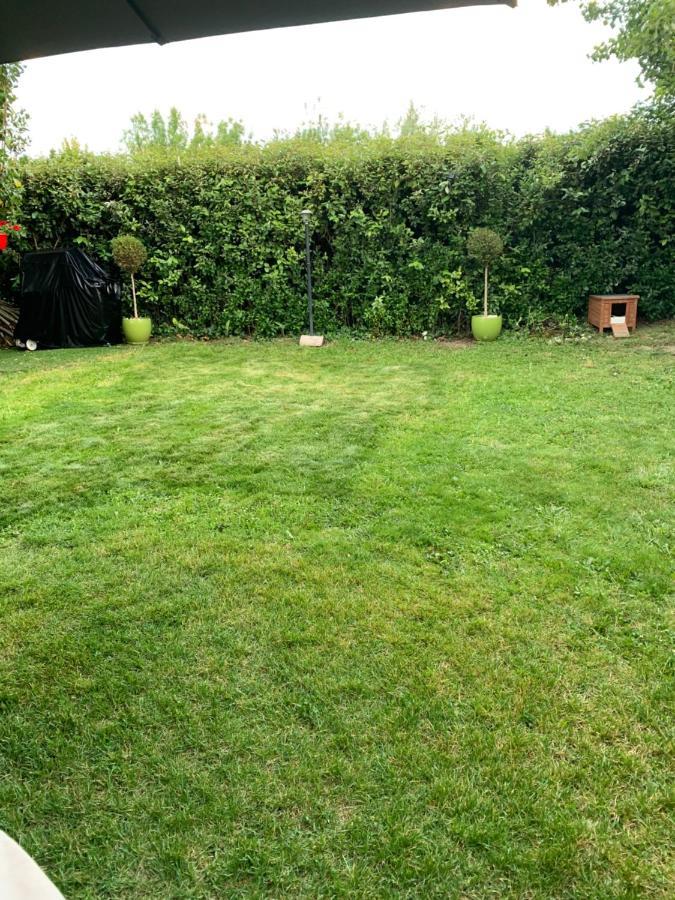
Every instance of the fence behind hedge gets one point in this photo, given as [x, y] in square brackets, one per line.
[587, 212]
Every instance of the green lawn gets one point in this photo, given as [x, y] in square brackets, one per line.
[380, 620]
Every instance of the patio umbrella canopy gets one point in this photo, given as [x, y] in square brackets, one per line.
[32, 28]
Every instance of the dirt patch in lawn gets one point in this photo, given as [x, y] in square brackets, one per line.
[456, 343]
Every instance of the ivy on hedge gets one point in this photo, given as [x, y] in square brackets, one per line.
[588, 212]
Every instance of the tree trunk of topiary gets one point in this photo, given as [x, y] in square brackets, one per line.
[485, 293]
[133, 294]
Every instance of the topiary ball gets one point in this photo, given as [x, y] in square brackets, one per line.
[484, 245]
[128, 252]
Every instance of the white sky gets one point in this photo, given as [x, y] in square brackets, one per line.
[520, 70]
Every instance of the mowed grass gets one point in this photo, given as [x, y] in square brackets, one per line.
[380, 620]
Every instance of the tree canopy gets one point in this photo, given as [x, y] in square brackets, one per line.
[644, 30]
[174, 133]
[13, 138]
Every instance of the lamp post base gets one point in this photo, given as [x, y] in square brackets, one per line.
[312, 340]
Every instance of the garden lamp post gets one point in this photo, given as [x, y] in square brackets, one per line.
[311, 339]
[306, 216]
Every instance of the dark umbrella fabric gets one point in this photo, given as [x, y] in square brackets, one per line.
[32, 28]
[67, 300]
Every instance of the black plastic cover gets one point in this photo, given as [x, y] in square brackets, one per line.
[67, 300]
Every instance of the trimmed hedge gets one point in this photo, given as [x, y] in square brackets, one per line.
[588, 212]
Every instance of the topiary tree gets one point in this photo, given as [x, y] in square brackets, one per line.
[485, 246]
[129, 253]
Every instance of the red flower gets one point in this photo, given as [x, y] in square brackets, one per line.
[5, 229]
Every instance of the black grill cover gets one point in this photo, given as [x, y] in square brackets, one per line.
[67, 300]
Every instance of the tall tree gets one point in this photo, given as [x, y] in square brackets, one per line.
[173, 132]
[644, 30]
[13, 139]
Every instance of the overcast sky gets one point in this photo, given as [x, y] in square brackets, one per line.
[521, 70]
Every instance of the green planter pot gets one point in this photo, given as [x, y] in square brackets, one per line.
[136, 331]
[486, 328]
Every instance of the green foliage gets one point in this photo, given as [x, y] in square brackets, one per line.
[644, 31]
[173, 133]
[319, 129]
[485, 246]
[128, 252]
[587, 212]
[13, 139]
